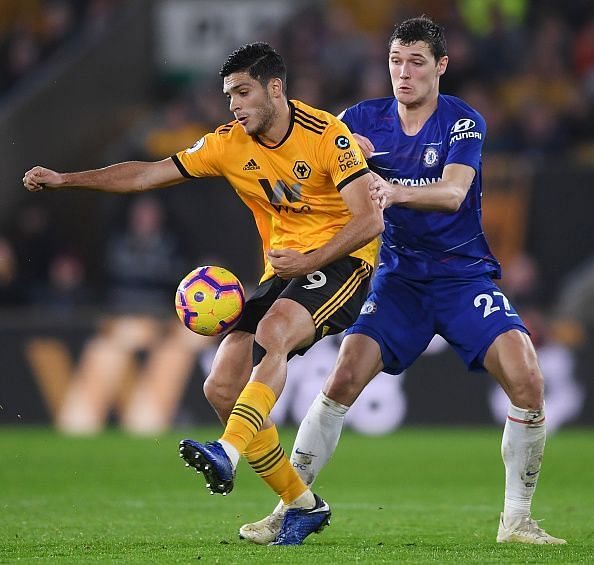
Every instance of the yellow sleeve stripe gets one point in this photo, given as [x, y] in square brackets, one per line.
[346, 291]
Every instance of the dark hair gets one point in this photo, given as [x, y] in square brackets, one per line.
[421, 29]
[259, 60]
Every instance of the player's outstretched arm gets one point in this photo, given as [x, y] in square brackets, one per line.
[131, 176]
[445, 195]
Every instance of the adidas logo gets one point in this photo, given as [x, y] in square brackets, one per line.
[251, 165]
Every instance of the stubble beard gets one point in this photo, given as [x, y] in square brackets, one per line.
[267, 114]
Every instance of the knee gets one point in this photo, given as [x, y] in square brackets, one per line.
[272, 335]
[528, 390]
[218, 392]
[343, 385]
[512, 360]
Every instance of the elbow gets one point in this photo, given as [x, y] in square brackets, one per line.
[367, 227]
[376, 226]
[451, 207]
[379, 226]
[454, 202]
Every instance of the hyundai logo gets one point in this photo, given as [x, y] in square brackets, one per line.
[463, 125]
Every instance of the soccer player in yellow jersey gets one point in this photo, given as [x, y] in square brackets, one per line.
[306, 182]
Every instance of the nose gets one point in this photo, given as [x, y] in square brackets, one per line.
[405, 71]
[233, 104]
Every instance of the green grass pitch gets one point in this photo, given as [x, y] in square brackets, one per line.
[416, 496]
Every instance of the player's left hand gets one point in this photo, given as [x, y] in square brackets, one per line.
[288, 263]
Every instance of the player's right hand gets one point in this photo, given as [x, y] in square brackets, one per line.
[381, 191]
[365, 145]
[39, 178]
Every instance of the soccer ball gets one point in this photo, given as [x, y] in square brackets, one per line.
[209, 300]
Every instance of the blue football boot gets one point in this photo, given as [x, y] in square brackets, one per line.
[300, 522]
[211, 460]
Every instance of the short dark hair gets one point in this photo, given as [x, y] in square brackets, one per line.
[424, 29]
[259, 60]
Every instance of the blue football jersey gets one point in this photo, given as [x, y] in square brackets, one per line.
[418, 244]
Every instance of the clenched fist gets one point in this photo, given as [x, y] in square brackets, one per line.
[39, 178]
[288, 263]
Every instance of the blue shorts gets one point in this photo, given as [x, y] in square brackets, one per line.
[403, 315]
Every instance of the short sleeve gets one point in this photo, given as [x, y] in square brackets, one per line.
[202, 159]
[340, 155]
[465, 141]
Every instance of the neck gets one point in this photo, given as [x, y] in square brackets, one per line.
[413, 117]
[279, 126]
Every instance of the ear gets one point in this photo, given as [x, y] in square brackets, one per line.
[275, 88]
[442, 65]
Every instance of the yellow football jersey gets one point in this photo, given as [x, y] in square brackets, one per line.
[292, 188]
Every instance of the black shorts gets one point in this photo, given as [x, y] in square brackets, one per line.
[333, 296]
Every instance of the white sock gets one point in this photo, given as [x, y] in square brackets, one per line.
[305, 500]
[280, 507]
[317, 437]
[522, 447]
[231, 452]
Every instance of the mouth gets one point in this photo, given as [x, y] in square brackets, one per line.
[404, 88]
[242, 119]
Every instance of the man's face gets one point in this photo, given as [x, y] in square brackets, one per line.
[250, 102]
[414, 73]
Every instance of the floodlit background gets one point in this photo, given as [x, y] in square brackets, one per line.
[88, 334]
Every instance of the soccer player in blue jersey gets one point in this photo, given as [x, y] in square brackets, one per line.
[435, 275]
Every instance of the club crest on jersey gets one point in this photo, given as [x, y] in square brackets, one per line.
[430, 157]
[197, 146]
[342, 142]
[301, 170]
[370, 307]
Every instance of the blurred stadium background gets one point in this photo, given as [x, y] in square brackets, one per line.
[88, 334]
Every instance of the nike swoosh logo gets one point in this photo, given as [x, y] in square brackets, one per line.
[529, 474]
[304, 452]
[377, 153]
[324, 508]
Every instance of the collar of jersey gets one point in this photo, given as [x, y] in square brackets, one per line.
[286, 136]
